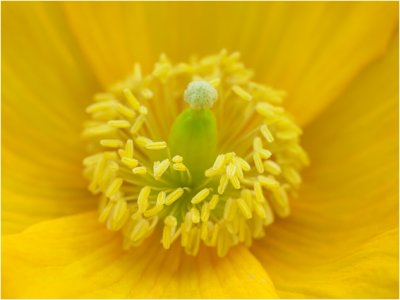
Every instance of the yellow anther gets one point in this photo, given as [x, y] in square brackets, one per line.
[242, 93]
[244, 208]
[179, 167]
[143, 198]
[212, 172]
[193, 242]
[91, 160]
[99, 106]
[105, 212]
[230, 209]
[257, 144]
[214, 236]
[140, 230]
[269, 216]
[258, 192]
[260, 210]
[219, 162]
[125, 111]
[156, 145]
[99, 97]
[292, 176]
[184, 235]
[119, 123]
[129, 148]
[266, 110]
[168, 231]
[130, 162]
[222, 184]
[235, 182]
[137, 124]
[143, 141]
[113, 166]
[147, 93]
[109, 155]
[200, 196]
[114, 187]
[205, 212]
[160, 168]
[264, 154]
[153, 211]
[266, 133]
[161, 198]
[170, 221]
[269, 182]
[272, 167]
[243, 164]
[188, 222]
[258, 162]
[239, 171]
[100, 130]
[281, 196]
[177, 159]
[143, 110]
[131, 99]
[119, 210]
[214, 201]
[231, 170]
[173, 196]
[139, 170]
[229, 156]
[111, 143]
[195, 215]
[204, 229]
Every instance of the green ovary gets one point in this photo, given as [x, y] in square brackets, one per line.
[194, 137]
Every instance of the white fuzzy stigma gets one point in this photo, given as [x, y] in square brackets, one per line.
[200, 94]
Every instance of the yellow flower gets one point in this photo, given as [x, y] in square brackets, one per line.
[336, 61]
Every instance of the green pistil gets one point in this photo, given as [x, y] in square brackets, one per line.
[194, 132]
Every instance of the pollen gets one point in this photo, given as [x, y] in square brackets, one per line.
[231, 174]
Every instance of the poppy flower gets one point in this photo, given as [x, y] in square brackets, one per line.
[201, 150]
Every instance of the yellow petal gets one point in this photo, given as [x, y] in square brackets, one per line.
[113, 36]
[45, 85]
[312, 50]
[76, 257]
[341, 239]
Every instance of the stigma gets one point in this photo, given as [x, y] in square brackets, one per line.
[200, 94]
[164, 154]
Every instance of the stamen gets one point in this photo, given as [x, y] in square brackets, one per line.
[114, 187]
[156, 145]
[200, 196]
[112, 143]
[119, 123]
[242, 93]
[175, 195]
[272, 167]
[139, 170]
[130, 162]
[143, 199]
[160, 168]
[211, 174]
[266, 133]
[177, 159]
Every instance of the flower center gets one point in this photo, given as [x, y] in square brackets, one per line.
[215, 172]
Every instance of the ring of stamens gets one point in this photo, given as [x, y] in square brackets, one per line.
[143, 187]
